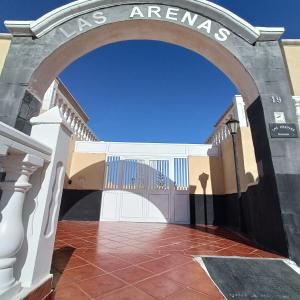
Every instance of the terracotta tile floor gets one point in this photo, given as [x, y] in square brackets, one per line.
[136, 261]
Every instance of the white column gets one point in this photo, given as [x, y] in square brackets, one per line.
[297, 104]
[35, 257]
[50, 96]
[239, 110]
[18, 170]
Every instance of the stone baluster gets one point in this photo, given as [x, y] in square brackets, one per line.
[84, 133]
[78, 128]
[60, 104]
[81, 131]
[73, 123]
[67, 113]
[18, 169]
[64, 108]
[72, 120]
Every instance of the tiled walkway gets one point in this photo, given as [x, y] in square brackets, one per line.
[114, 261]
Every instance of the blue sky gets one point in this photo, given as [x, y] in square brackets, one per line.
[144, 91]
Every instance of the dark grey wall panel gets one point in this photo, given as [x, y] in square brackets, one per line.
[80, 205]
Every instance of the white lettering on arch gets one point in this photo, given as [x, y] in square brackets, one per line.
[188, 17]
[172, 13]
[154, 10]
[66, 33]
[222, 35]
[82, 24]
[205, 25]
[99, 18]
[136, 11]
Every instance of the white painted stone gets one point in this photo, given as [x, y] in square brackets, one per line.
[239, 110]
[18, 170]
[297, 104]
[147, 149]
[50, 96]
[20, 142]
[42, 205]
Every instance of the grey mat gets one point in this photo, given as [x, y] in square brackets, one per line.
[240, 278]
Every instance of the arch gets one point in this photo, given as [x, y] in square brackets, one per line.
[137, 30]
[154, 20]
[250, 56]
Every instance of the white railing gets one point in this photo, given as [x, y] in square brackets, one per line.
[237, 111]
[220, 134]
[34, 169]
[74, 116]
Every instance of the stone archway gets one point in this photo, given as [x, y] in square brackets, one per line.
[251, 57]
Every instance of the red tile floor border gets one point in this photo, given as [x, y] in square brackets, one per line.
[140, 261]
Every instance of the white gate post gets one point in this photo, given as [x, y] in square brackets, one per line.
[35, 257]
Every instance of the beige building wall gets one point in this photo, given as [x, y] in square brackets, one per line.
[5, 40]
[247, 162]
[206, 175]
[86, 171]
[210, 175]
[216, 175]
[291, 50]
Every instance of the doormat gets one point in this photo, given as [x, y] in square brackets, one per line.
[244, 278]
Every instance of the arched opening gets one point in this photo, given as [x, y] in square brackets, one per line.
[54, 64]
[162, 30]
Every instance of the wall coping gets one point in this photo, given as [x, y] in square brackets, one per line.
[147, 149]
[21, 142]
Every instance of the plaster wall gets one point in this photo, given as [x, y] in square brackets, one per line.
[292, 56]
[69, 160]
[220, 170]
[247, 162]
[206, 175]
[5, 42]
[86, 171]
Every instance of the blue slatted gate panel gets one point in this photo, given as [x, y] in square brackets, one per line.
[112, 178]
[159, 175]
[134, 174]
[181, 174]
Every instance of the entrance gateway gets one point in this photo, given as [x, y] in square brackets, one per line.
[250, 56]
[146, 189]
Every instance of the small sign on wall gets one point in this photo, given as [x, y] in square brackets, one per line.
[279, 117]
[288, 130]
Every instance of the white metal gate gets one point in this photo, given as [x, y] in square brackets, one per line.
[143, 189]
